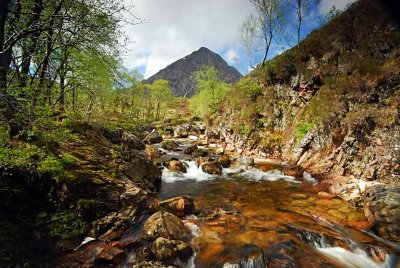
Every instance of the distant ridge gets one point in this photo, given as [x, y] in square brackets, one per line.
[180, 73]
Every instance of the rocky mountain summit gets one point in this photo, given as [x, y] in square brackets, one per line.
[180, 73]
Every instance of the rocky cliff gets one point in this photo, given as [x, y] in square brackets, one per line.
[180, 73]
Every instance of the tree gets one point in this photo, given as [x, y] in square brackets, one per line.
[266, 26]
[210, 92]
[303, 8]
[161, 95]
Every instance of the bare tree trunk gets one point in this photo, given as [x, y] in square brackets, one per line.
[300, 18]
[30, 50]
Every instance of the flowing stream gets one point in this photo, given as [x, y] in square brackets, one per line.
[254, 217]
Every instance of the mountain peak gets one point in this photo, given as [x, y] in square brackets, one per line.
[179, 74]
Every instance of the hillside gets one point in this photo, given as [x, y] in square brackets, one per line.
[180, 73]
[330, 105]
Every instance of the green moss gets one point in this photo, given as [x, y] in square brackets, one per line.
[68, 160]
[302, 128]
[66, 224]
[51, 164]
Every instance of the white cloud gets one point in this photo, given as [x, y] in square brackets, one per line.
[176, 28]
[326, 5]
[231, 56]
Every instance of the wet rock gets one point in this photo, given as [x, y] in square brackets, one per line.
[246, 256]
[111, 255]
[246, 161]
[190, 149]
[164, 224]
[200, 160]
[151, 264]
[213, 168]
[224, 160]
[131, 142]
[169, 250]
[179, 206]
[169, 145]
[325, 195]
[176, 165]
[382, 209]
[199, 152]
[279, 256]
[152, 152]
[153, 138]
[294, 171]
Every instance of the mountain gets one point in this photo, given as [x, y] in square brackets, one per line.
[180, 73]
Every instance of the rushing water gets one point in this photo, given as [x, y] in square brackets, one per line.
[249, 218]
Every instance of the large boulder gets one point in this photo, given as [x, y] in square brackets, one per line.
[179, 206]
[142, 171]
[164, 224]
[213, 168]
[131, 142]
[153, 138]
[169, 145]
[169, 250]
[177, 165]
[382, 209]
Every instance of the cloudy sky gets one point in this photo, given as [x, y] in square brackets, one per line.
[175, 28]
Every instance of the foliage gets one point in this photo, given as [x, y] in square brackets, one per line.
[66, 224]
[210, 92]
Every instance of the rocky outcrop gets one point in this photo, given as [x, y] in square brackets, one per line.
[180, 73]
[382, 208]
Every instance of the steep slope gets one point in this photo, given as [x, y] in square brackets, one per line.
[331, 106]
[179, 74]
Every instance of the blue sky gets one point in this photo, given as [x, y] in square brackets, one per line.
[175, 28]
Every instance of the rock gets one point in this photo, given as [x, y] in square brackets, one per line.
[151, 264]
[116, 136]
[111, 255]
[246, 256]
[181, 132]
[325, 195]
[193, 138]
[213, 168]
[152, 152]
[246, 161]
[352, 191]
[190, 149]
[169, 250]
[224, 160]
[199, 152]
[280, 255]
[131, 142]
[169, 145]
[143, 172]
[382, 209]
[164, 224]
[294, 171]
[153, 138]
[200, 160]
[176, 165]
[179, 206]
